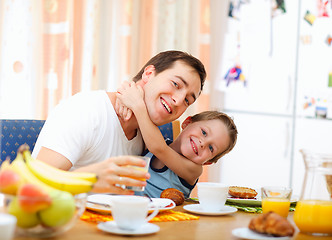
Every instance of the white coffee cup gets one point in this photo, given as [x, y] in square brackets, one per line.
[212, 196]
[130, 212]
[7, 226]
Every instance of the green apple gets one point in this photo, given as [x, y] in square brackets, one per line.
[61, 210]
[24, 219]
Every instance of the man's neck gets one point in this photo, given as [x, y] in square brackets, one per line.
[129, 127]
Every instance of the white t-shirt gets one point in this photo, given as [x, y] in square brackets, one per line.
[85, 129]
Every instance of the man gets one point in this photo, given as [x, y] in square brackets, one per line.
[84, 133]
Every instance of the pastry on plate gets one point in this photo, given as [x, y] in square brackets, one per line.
[273, 224]
[173, 194]
[242, 192]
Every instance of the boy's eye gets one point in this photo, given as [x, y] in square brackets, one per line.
[175, 84]
[203, 132]
[187, 101]
[211, 148]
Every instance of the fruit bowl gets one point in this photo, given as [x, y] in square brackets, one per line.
[51, 219]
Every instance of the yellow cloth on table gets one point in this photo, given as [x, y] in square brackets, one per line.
[165, 216]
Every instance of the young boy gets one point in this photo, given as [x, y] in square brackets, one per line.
[205, 138]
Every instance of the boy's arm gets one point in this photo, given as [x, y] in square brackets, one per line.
[132, 97]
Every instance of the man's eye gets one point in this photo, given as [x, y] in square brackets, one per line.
[211, 148]
[175, 84]
[187, 101]
[203, 132]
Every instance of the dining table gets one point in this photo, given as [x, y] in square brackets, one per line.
[206, 227]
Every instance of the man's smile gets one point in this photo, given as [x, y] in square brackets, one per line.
[166, 106]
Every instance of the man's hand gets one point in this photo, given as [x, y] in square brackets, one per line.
[114, 172]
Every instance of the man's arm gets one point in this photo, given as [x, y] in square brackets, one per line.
[54, 158]
[111, 172]
[132, 97]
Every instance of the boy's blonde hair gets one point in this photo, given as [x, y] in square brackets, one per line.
[229, 123]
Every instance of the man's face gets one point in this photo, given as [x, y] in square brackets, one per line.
[168, 94]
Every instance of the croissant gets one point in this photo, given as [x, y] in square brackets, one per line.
[173, 194]
[272, 223]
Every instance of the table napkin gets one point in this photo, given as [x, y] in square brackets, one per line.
[164, 216]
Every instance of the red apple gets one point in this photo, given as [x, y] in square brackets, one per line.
[33, 198]
[10, 181]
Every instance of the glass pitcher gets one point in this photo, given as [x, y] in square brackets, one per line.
[313, 212]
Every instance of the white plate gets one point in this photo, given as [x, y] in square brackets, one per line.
[249, 202]
[97, 199]
[111, 227]
[246, 233]
[196, 208]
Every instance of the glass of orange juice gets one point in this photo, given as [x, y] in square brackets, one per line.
[276, 199]
[144, 169]
[313, 212]
[314, 216]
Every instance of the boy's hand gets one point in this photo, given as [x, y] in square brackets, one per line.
[121, 110]
[132, 96]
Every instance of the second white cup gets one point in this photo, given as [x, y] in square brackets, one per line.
[130, 212]
[7, 226]
[212, 196]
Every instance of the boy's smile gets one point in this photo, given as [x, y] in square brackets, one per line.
[194, 146]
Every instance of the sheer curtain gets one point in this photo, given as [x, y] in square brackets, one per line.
[19, 65]
[52, 49]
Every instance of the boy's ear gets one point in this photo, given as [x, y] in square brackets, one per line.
[186, 122]
[148, 72]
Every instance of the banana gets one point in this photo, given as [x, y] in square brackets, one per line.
[58, 181]
[46, 168]
[5, 164]
[19, 166]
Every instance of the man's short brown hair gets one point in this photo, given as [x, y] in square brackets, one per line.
[165, 60]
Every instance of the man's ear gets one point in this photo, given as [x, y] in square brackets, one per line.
[148, 72]
[186, 122]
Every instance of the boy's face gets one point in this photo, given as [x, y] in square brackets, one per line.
[201, 141]
[168, 94]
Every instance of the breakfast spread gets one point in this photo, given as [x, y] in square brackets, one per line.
[173, 194]
[273, 224]
[242, 192]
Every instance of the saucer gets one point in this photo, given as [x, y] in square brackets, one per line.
[103, 203]
[196, 208]
[246, 233]
[111, 227]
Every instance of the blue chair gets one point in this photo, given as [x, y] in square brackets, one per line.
[170, 130]
[14, 133]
